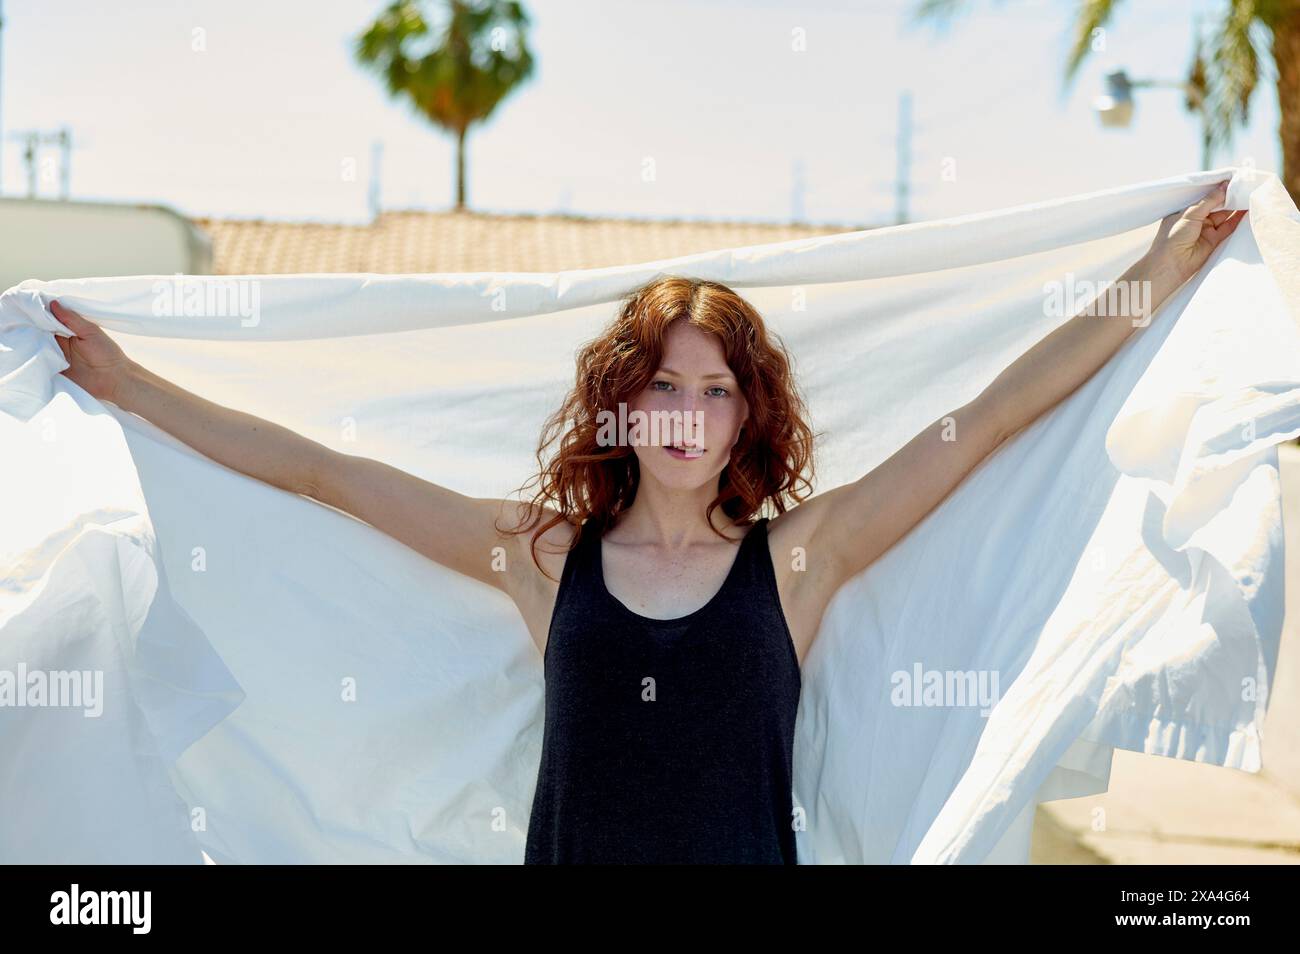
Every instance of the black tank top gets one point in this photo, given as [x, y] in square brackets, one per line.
[667, 741]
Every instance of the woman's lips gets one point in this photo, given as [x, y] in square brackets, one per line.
[693, 454]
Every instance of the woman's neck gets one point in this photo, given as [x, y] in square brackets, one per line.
[671, 518]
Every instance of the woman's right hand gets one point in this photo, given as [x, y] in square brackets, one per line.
[95, 362]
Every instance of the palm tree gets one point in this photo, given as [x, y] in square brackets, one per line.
[455, 71]
[1225, 69]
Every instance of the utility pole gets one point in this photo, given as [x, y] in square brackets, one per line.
[376, 175]
[797, 188]
[902, 187]
[31, 155]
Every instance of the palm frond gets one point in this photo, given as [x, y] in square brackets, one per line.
[1233, 71]
[937, 11]
[454, 62]
[1093, 15]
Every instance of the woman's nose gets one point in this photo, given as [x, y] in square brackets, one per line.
[693, 426]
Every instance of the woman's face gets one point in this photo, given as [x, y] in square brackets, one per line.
[696, 402]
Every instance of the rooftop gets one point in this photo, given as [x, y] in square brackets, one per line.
[419, 242]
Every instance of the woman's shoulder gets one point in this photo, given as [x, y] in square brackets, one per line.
[560, 535]
[791, 528]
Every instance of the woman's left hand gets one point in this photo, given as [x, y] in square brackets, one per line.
[1186, 239]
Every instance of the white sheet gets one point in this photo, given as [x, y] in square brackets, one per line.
[1117, 564]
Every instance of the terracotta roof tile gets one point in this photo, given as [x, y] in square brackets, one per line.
[417, 242]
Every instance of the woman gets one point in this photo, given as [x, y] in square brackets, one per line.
[672, 623]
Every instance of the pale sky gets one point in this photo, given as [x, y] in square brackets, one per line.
[266, 121]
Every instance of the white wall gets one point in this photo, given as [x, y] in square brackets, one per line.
[47, 239]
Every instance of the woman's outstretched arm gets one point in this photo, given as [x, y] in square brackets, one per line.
[848, 527]
[447, 527]
[242, 442]
[1059, 364]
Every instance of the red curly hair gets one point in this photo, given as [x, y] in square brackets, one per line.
[589, 483]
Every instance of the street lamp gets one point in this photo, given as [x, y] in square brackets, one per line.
[1115, 106]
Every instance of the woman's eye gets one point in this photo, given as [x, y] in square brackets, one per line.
[667, 385]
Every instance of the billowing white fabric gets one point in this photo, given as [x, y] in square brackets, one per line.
[1117, 564]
